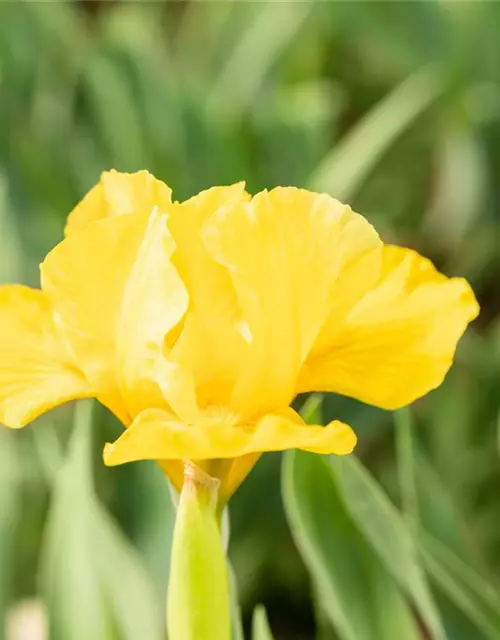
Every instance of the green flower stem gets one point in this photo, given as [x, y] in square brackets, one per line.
[198, 592]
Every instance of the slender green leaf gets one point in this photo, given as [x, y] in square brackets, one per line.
[466, 588]
[349, 163]
[324, 627]
[460, 190]
[274, 26]
[236, 623]
[382, 526]
[498, 432]
[116, 114]
[92, 579]
[439, 514]
[260, 624]
[9, 517]
[70, 584]
[153, 509]
[10, 255]
[359, 596]
[311, 410]
[197, 48]
[135, 608]
[406, 463]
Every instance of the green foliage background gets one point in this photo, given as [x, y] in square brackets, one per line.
[393, 107]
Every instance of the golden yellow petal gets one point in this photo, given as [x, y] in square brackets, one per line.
[117, 194]
[284, 251]
[398, 341]
[117, 295]
[178, 386]
[37, 371]
[156, 435]
[155, 300]
[211, 345]
[238, 470]
[174, 470]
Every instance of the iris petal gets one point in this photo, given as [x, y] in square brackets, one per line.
[37, 371]
[157, 435]
[118, 194]
[211, 345]
[284, 252]
[117, 296]
[397, 342]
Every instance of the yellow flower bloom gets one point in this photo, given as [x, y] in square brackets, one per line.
[197, 323]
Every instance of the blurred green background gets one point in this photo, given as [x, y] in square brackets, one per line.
[393, 107]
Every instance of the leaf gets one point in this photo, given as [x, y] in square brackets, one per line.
[11, 259]
[146, 496]
[406, 462]
[359, 596]
[197, 48]
[9, 517]
[119, 124]
[466, 588]
[324, 628]
[236, 623]
[125, 582]
[470, 592]
[92, 579]
[460, 189]
[260, 624]
[311, 409]
[384, 529]
[439, 514]
[348, 164]
[274, 26]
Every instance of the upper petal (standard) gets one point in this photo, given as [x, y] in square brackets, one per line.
[211, 344]
[117, 194]
[117, 295]
[284, 251]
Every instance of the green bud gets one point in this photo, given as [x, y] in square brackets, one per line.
[198, 593]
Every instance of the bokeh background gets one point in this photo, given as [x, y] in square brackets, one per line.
[393, 107]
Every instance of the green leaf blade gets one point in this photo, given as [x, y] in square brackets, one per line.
[359, 596]
[383, 528]
[260, 624]
[92, 580]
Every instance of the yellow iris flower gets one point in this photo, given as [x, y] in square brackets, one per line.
[197, 323]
